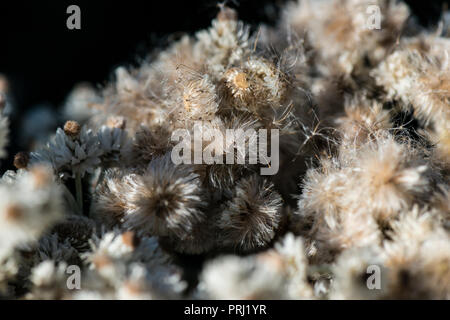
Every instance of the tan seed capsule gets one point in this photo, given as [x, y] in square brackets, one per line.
[72, 128]
[21, 160]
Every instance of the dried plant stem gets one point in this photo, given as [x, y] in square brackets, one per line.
[79, 191]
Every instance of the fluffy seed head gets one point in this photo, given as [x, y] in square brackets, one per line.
[109, 201]
[250, 220]
[168, 200]
[244, 278]
[200, 99]
[393, 176]
[363, 119]
[237, 82]
[150, 143]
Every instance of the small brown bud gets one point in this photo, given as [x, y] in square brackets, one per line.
[226, 14]
[72, 129]
[21, 160]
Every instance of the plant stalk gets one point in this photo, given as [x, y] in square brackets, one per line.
[79, 191]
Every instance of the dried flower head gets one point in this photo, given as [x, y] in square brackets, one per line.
[352, 272]
[393, 177]
[242, 278]
[110, 199]
[49, 280]
[114, 143]
[71, 154]
[418, 256]
[167, 200]
[339, 30]
[72, 129]
[363, 120]
[250, 219]
[28, 206]
[199, 100]
[150, 143]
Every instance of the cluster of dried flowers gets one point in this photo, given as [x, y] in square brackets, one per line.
[364, 122]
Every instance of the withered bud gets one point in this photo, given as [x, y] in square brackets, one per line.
[226, 14]
[72, 128]
[21, 160]
[116, 122]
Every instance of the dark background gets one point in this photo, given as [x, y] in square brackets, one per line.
[43, 60]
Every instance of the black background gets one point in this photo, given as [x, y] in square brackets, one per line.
[43, 59]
